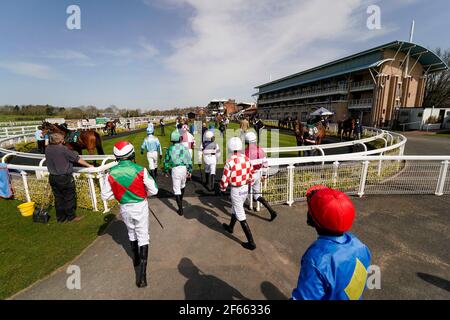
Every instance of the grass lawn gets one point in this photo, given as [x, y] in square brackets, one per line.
[438, 135]
[136, 139]
[12, 117]
[30, 251]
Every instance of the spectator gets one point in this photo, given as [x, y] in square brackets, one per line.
[162, 125]
[40, 139]
[60, 162]
[358, 130]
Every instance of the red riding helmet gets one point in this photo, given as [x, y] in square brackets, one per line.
[330, 209]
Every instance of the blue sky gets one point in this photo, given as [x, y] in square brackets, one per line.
[174, 53]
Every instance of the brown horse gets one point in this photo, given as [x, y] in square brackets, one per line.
[110, 127]
[303, 136]
[348, 127]
[89, 140]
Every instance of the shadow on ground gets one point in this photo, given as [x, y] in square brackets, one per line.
[434, 280]
[201, 286]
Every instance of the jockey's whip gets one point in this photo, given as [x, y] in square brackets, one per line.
[153, 213]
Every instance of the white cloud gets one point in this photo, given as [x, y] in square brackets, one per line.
[77, 57]
[33, 70]
[237, 44]
[143, 50]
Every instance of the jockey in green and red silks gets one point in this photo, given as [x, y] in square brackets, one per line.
[131, 184]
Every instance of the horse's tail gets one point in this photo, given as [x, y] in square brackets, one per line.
[98, 143]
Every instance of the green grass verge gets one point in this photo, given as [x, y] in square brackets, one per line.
[438, 135]
[30, 251]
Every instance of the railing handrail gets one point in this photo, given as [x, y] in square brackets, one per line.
[351, 158]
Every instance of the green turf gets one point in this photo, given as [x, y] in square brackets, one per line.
[30, 251]
[136, 139]
[438, 135]
[12, 117]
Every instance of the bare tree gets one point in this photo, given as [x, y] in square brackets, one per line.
[437, 88]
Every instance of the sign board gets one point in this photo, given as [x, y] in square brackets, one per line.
[101, 120]
[56, 120]
[88, 122]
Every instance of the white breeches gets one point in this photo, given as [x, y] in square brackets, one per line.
[238, 196]
[179, 175]
[256, 187]
[210, 163]
[152, 158]
[135, 217]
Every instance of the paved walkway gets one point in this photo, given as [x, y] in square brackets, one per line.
[193, 258]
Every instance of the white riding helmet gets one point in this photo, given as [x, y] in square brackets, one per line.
[250, 137]
[235, 144]
[123, 150]
[208, 135]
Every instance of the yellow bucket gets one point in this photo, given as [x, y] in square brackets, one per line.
[26, 209]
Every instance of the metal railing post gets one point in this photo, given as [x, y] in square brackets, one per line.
[290, 185]
[380, 162]
[101, 180]
[441, 180]
[335, 172]
[92, 191]
[25, 185]
[362, 182]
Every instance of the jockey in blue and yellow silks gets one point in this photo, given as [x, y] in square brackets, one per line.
[335, 266]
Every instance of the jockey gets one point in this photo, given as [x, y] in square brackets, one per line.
[153, 147]
[178, 160]
[211, 153]
[187, 139]
[238, 172]
[335, 266]
[130, 184]
[259, 161]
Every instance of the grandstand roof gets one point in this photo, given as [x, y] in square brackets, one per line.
[363, 60]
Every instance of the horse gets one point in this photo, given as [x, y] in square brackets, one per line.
[110, 127]
[303, 136]
[348, 127]
[89, 140]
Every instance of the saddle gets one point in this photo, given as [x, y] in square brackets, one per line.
[72, 137]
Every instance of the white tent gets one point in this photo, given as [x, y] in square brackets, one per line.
[322, 112]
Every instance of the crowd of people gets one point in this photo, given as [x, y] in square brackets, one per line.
[335, 265]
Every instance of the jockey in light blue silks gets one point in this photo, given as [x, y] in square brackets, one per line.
[153, 147]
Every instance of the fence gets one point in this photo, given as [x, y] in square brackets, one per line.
[356, 175]
[380, 171]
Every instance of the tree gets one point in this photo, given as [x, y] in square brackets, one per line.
[437, 87]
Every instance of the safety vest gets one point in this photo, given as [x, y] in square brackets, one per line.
[127, 182]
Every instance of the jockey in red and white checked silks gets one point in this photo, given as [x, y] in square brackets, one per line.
[238, 173]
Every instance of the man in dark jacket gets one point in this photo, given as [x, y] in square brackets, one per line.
[60, 162]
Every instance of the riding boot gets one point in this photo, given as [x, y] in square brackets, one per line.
[142, 280]
[250, 244]
[272, 212]
[135, 248]
[212, 182]
[156, 172]
[182, 193]
[179, 200]
[230, 227]
[152, 174]
[207, 179]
